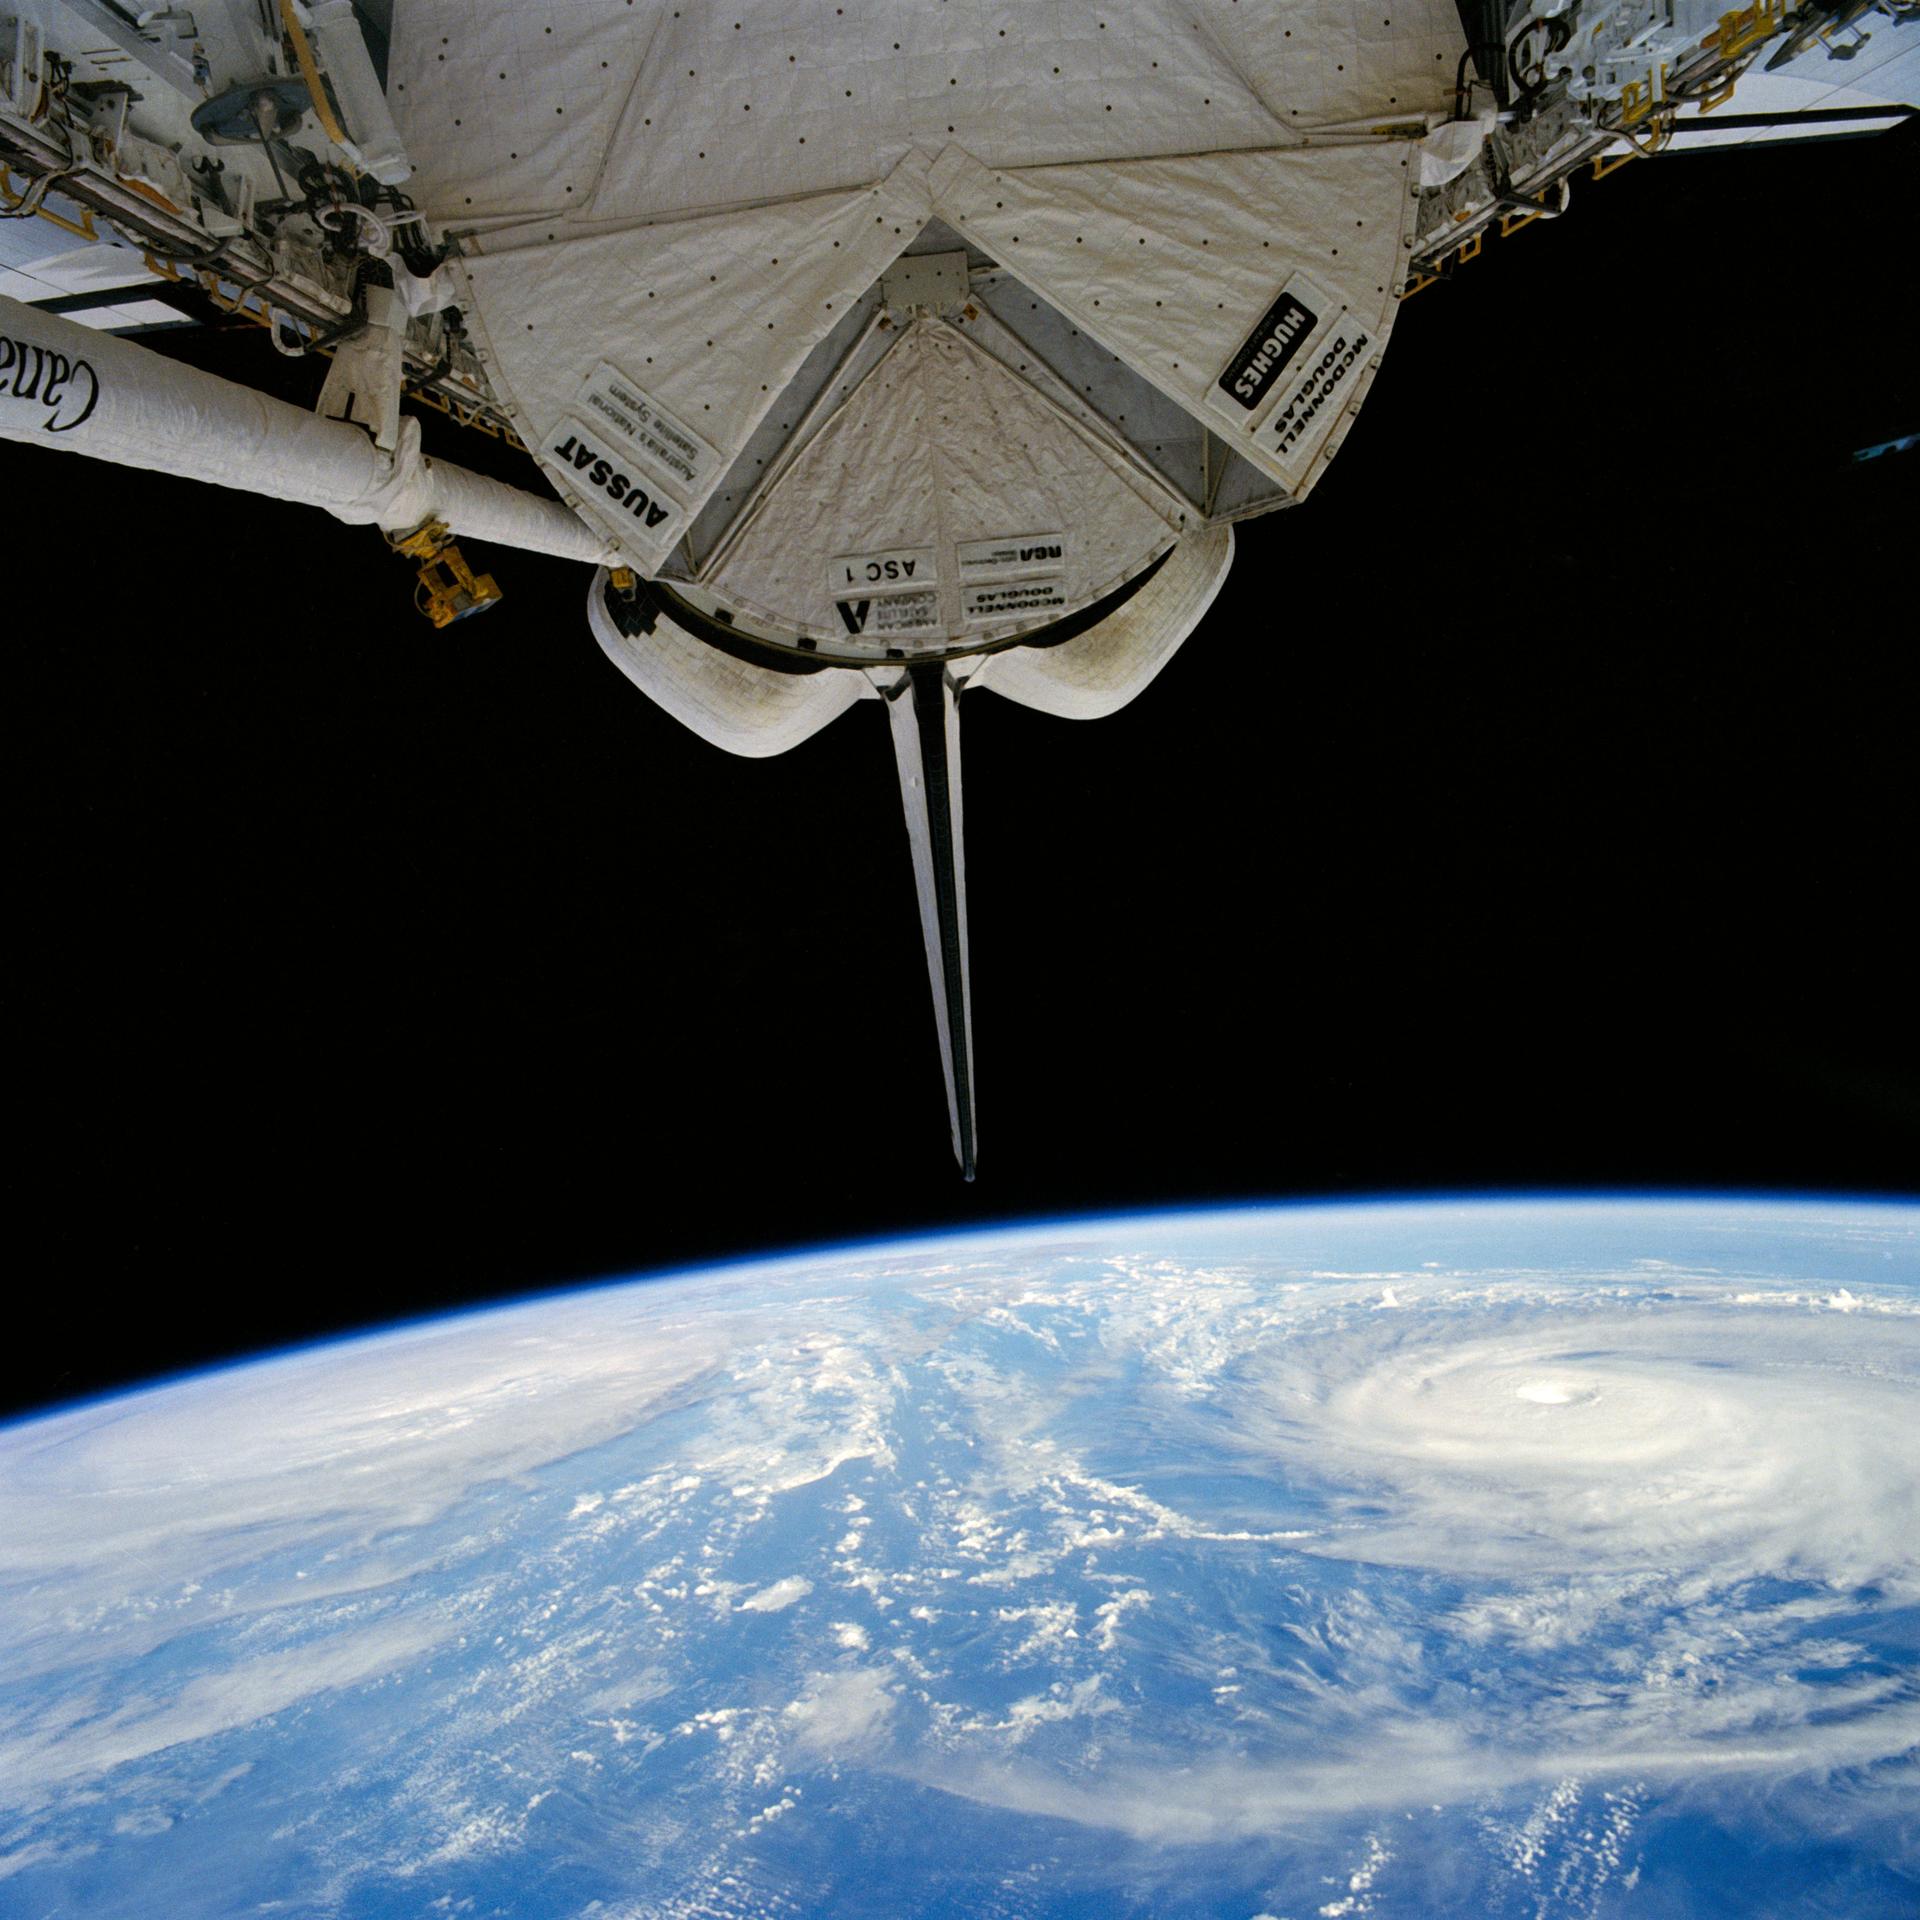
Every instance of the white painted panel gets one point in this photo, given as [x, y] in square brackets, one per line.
[92, 268]
[1885, 70]
[154, 313]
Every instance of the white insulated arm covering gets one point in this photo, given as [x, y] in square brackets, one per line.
[69, 388]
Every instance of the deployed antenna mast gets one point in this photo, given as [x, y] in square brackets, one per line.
[924, 709]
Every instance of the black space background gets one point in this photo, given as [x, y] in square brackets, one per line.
[1535, 809]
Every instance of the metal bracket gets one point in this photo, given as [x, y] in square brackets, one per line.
[1746, 27]
[364, 383]
[448, 589]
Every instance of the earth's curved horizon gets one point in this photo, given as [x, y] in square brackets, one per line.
[1525, 1556]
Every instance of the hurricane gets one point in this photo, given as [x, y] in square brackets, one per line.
[1500, 1559]
[1737, 1440]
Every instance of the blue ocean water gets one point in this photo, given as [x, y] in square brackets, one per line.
[1526, 1558]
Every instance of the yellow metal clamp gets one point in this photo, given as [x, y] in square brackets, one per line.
[151, 194]
[467, 416]
[1468, 249]
[1746, 27]
[447, 589]
[84, 226]
[238, 306]
[424, 542]
[1638, 98]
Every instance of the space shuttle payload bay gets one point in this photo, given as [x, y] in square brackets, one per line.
[882, 351]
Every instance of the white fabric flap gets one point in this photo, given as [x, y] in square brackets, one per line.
[636, 364]
[1274, 273]
[944, 495]
[598, 110]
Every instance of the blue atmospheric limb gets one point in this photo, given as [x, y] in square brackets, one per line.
[1552, 1555]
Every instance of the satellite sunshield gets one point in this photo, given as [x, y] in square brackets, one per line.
[667, 211]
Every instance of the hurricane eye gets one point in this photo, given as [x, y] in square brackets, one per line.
[1545, 1393]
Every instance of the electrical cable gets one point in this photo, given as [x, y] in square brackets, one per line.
[379, 245]
[34, 197]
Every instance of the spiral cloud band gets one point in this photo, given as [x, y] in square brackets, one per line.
[1501, 1560]
[1730, 1440]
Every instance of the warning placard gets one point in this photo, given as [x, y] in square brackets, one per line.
[676, 458]
[883, 572]
[1010, 601]
[887, 615]
[1009, 559]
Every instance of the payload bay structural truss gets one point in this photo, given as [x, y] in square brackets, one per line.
[888, 350]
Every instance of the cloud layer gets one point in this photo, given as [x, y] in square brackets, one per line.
[1181, 1538]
